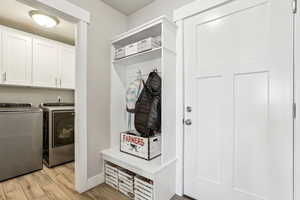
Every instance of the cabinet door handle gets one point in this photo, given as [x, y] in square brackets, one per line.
[60, 81]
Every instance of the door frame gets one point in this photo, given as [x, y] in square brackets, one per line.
[81, 18]
[179, 15]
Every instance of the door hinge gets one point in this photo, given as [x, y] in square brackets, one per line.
[294, 110]
[294, 6]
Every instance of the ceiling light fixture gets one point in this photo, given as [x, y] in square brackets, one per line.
[43, 19]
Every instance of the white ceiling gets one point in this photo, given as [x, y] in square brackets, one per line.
[127, 6]
[15, 15]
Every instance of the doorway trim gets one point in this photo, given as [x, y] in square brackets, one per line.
[81, 18]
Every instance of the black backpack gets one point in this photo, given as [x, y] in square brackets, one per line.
[147, 118]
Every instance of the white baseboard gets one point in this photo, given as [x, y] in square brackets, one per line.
[94, 181]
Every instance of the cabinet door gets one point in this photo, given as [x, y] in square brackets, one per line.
[17, 59]
[45, 64]
[67, 67]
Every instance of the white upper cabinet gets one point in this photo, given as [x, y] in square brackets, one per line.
[45, 64]
[67, 67]
[29, 60]
[17, 58]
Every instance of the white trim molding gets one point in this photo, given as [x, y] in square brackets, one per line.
[201, 6]
[179, 108]
[94, 181]
[75, 14]
[197, 7]
[81, 109]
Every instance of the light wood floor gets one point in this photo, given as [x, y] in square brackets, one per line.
[54, 184]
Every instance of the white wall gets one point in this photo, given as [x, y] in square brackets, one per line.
[155, 9]
[33, 95]
[105, 23]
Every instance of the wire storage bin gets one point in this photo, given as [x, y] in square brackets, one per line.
[143, 188]
[126, 183]
[111, 175]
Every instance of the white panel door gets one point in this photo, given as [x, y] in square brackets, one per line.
[17, 58]
[231, 149]
[45, 64]
[67, 67]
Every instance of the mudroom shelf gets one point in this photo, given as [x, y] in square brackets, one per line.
[161, 170]
[142, 167]
[140, 57]
[162, 59]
